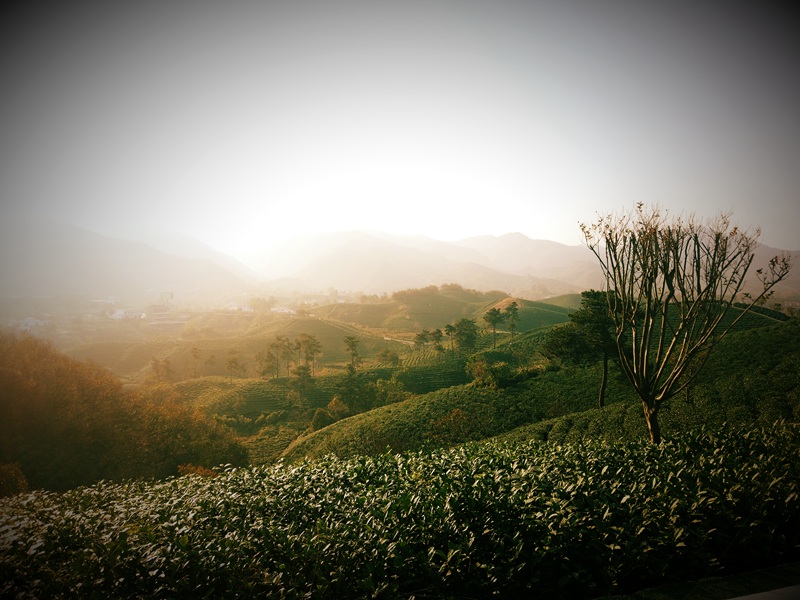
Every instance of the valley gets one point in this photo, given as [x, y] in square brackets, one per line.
[177, 398]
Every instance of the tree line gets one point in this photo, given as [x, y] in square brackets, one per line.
[66, 423]
[464, 334]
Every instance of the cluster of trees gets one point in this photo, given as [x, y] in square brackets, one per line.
[672, 293]
[416, 295]
[494, 317]
[66, 423]
[282, 352]
[674, 288]
[162, 370]
[281, 356]
[359, 391]
[465, 334]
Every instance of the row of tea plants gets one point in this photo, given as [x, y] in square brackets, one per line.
[524, 519]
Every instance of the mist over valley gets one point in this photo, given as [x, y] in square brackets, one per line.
[47, 258]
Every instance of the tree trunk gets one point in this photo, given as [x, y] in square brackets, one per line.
[601, 400]
[653, 427]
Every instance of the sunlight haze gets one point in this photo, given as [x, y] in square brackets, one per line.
[242, 124]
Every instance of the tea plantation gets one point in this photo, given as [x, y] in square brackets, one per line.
[456, 490]
[480, 520]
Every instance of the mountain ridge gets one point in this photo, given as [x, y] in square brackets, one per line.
[375, 263]
[43, 257]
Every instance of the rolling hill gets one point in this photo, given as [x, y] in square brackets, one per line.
[375, 263]
[46, 258]
[390, 324]
[751, 377]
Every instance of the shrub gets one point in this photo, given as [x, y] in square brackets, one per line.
[486, 519]
[322, 418]
[184, 470]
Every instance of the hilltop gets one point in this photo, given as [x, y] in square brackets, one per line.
[388, 323]
[751, 377]
[449, 464]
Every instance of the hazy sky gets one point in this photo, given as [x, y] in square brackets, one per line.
[245, 122]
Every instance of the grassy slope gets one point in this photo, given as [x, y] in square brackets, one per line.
[753, 375]
[132, 360]
[568, 301]
[429, 309]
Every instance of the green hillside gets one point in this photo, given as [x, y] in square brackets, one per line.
[410, 311]
[754, 375]
[568, 301]
[132, 360]
[379, 326]
[520, 488]
[524, 389]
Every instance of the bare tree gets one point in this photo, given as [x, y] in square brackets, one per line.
[672, 284]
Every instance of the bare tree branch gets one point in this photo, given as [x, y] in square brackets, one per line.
[672, 283]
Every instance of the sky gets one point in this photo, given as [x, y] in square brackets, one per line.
[246, 123]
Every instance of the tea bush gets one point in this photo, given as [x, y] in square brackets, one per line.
[577, 520]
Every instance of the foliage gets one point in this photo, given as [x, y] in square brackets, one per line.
[361, 391]
[423, 378]
[596, 328]
[309, 347]
[162, 370]
[322, 418]
[466, 335]
[412, 424]
[493, 374]
[68, 423]
[507, 520]
[389, 357]
[588, 337]
[196, 470]
[351, 342]
[511, 315]
[494, 317]
[671, 283]
[752, 377]
[234, 365]
[253, 336]
[433, 306]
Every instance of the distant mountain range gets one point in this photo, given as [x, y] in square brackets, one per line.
[376, 263]
[43, 258]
